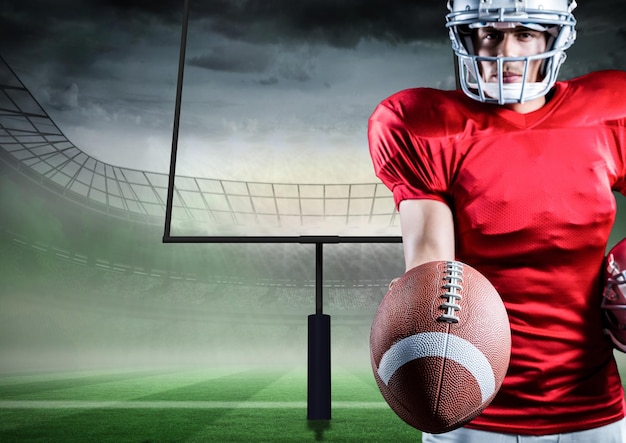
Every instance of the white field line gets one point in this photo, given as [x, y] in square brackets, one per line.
[163, 404]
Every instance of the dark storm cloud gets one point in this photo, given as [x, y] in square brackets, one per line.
[90, 27]
[235, 57]
[345, 22]
[70, 35]
[341, 23]
[33, 22]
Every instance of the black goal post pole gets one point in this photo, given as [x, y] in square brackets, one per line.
[318, 364]
[176, 126]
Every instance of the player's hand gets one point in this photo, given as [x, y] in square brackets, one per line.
[392, 282]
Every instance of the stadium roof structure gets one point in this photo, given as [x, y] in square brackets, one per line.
[32, 144]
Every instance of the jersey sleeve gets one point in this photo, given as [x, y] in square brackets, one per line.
[609, 101]
[402, 160]
[616, 96]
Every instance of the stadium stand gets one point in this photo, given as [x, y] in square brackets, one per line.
[81, 245]
[34, 145]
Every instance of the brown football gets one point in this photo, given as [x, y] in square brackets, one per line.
[440, 345]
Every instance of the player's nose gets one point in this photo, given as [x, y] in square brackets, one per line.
[508, 46]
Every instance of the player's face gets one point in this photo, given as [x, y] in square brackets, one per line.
[515, 42]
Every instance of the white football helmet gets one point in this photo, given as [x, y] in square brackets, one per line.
[551, 16]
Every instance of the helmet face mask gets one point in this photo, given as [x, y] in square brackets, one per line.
[554, 17]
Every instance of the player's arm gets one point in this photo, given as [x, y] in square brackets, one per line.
[427, 230]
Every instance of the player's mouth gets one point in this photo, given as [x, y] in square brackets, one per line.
[511, 77]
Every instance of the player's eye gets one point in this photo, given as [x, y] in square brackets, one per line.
[491, 34]
[526, 35]
[489, 37]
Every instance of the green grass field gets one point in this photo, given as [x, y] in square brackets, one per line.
[235, 404]
[218, 405]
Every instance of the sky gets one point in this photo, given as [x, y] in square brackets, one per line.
[274, 90]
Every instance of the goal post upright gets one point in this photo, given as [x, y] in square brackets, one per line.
[176, 125]
[319, 326]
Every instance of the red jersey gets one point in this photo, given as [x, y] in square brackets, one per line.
[533, 204]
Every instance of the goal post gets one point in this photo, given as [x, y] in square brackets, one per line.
[288, 207]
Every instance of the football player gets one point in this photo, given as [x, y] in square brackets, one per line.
[514, 175]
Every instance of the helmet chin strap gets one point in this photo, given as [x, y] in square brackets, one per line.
[512, 92]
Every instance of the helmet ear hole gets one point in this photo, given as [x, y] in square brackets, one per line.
[464, 30]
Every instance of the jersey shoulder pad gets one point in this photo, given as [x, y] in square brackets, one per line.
[600, 92]
[426, 112]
